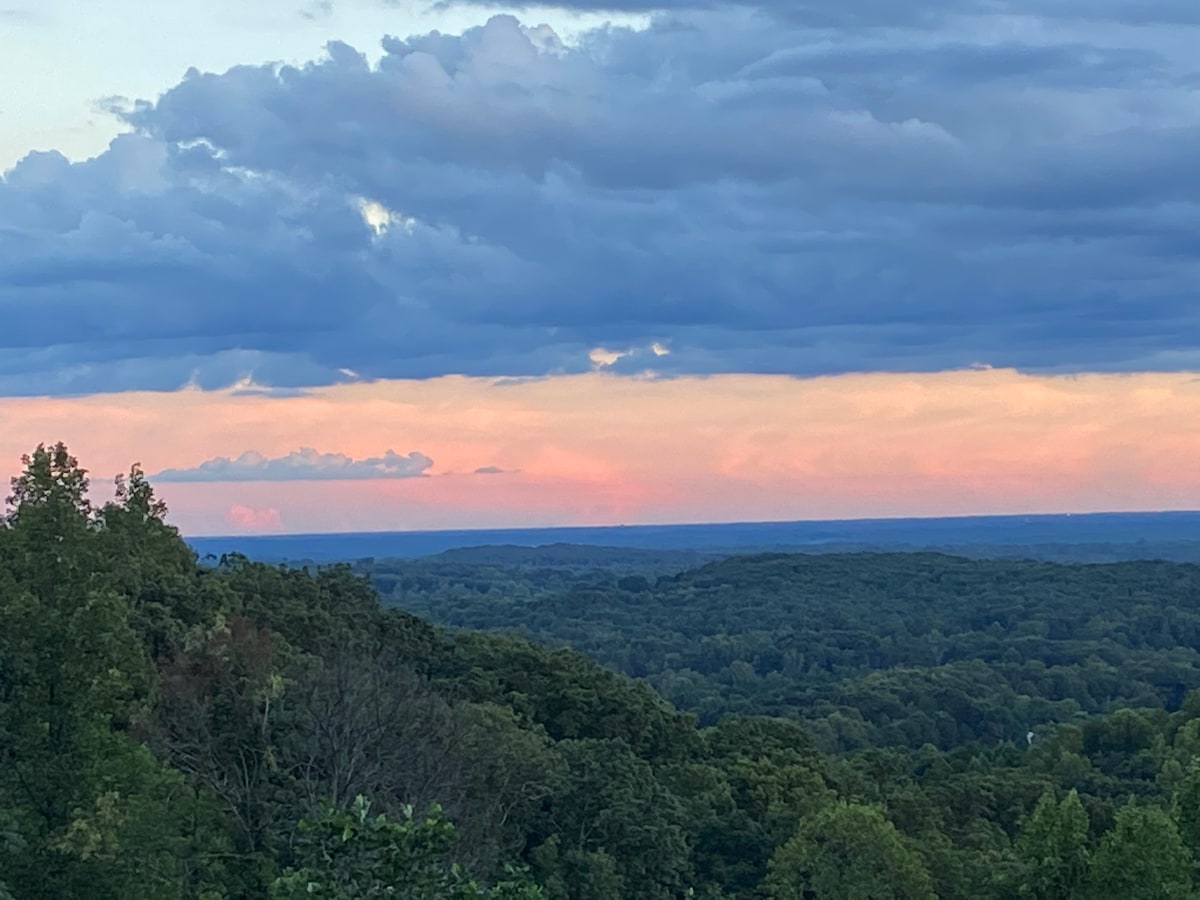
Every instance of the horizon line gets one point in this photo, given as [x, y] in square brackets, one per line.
[703, 524]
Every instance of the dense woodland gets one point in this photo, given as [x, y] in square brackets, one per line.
[869, 650]
[842, 726]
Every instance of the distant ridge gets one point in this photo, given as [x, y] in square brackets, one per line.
[981, 535]
[566, 555]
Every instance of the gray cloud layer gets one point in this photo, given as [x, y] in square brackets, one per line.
[873, 13]
[832, 187]
[304, 464]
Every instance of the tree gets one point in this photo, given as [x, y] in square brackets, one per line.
[50, 544]
[92, 809]
[774, 778]
[1053, 847]
[1142, 858]
[221, 721]
[353, 854]
[149, 562]
[1187, 807]
[609, 803]
[51, 480]
[848, 851]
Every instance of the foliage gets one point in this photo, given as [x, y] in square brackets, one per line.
[350, 854]
[861, 725]
[869, 649]
[1142, 858]
[848, 851]
[1054, 847]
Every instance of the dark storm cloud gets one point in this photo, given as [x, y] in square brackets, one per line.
[746, 191]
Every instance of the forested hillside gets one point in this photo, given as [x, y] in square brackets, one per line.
[176, 730]
[868, 649]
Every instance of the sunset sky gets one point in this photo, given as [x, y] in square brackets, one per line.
[369, 265]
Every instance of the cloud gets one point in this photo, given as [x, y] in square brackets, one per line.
[16, 15]
[809, 190]
[629, 359]
[490, 470]
[317, 9]
[875, 13]
[253, 518]
[304, 464]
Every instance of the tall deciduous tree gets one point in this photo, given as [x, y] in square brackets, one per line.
[848, 851]
[1053, 846]
[74, 679]
[1142, 858]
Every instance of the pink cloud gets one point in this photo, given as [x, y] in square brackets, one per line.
[254, 518]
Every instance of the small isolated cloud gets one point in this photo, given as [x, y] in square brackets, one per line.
[603, 358]
[490, 470]
[252, 517]
[248, 387]
[317, 9]
[18, 16]
[305, 464]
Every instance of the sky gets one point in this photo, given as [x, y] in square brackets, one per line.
[342, 265]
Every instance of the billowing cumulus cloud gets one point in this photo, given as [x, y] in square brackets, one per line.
[817, 189]
[304, 464]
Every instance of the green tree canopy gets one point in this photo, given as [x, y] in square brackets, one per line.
[848, 851]
[351, 854]
[1142, 858]
[1053, 846]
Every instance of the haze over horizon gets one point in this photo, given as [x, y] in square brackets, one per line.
[363, 265]
[595, 534]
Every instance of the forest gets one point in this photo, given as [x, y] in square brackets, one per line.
[867, 649]
[562, 727]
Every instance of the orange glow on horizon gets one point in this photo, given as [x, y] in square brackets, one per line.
[602, 449]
